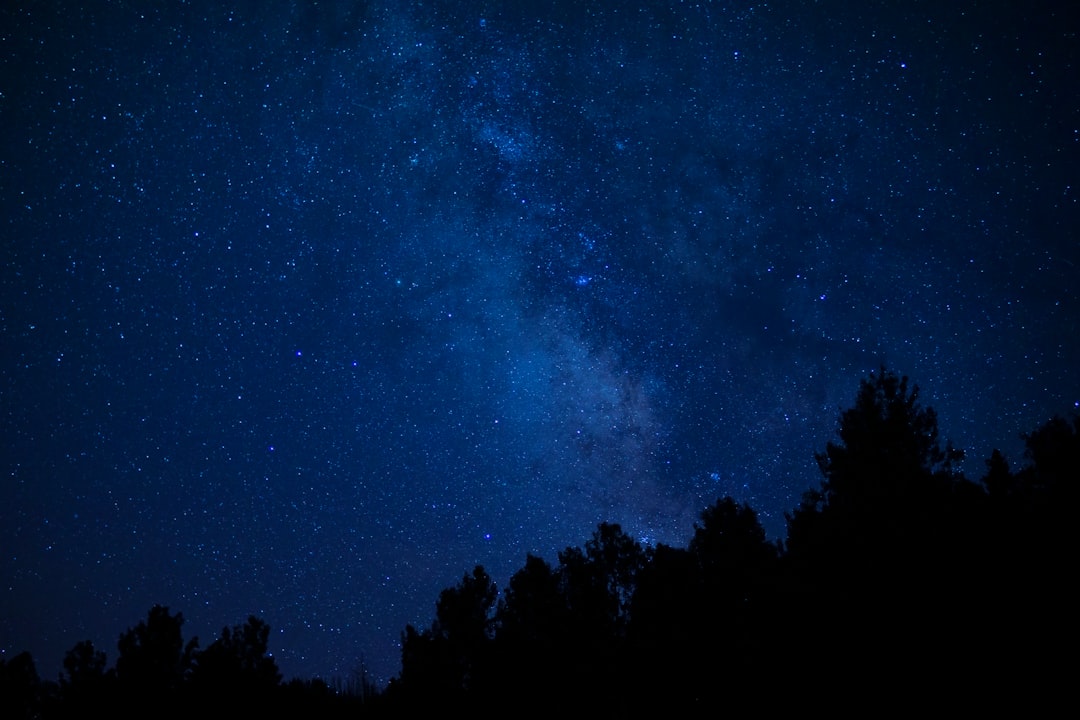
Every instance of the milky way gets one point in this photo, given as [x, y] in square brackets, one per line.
[309, 308]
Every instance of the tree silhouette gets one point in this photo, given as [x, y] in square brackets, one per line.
[444, 662]
[532, 632]
[667, 650]
[20, 687]
[153, 662]
[731, 541]
[598, 586]
[532, 610]
[887, 440]
[1031, 596]
[85, 682]
[1053, 453]
[736, 563]
[885, 552]
[599, 582]
[999, 481]
[899, 579]
[699, 614]
[84, 665]
[882, 479]
[236, 668]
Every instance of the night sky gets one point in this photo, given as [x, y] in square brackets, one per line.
[308, 308]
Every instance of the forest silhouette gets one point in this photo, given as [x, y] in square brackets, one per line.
[901, 584]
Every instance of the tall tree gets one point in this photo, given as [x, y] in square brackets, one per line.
[532, 611]
[1053, 452]
[85, 681]
[701, 609]
[887, 440]
[238, 664]
[532, 628]
[598, 585]
[599, 582]
[153, 661]
[444, 662]
[20, 687]
[730, 539]
[736, 564]
[878, 550]
[668, 653]
[881, 476]
[999, 481]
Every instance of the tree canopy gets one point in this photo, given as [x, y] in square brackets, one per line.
[898, 577]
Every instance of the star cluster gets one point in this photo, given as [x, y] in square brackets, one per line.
[308, 308]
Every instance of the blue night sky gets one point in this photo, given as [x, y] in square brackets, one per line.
[308, 308]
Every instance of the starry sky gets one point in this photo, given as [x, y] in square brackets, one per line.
[308, 308]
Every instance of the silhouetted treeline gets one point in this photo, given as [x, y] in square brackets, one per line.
[901, 585]
[158, 675]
